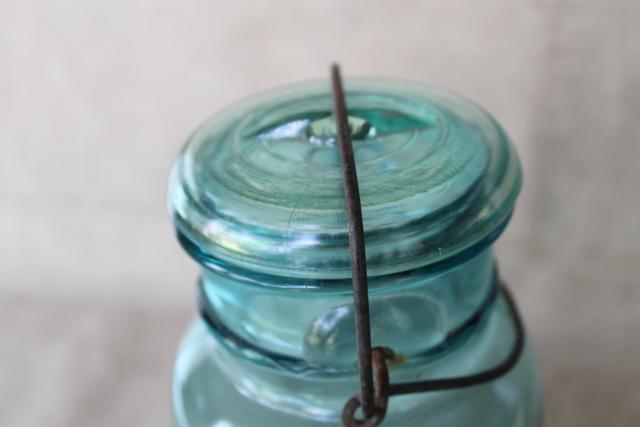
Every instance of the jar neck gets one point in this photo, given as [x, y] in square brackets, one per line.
[309, 324]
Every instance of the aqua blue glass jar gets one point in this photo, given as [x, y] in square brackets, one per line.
[257, 200]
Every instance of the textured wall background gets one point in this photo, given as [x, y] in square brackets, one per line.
[96, 98]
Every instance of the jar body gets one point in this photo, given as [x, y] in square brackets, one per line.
[302, 370]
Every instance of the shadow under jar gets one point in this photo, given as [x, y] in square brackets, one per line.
[257, 200]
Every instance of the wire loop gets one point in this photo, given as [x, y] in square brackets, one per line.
[379, 357]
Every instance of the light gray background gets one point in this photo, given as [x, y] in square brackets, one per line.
[96, 98]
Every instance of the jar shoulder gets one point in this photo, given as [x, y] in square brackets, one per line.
[213, 387]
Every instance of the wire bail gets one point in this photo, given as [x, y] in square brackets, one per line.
[374, 396]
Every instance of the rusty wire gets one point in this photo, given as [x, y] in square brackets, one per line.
[373, 397]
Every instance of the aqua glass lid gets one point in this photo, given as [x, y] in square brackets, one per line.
[258, 186]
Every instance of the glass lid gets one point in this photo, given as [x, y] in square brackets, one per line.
[258, 186]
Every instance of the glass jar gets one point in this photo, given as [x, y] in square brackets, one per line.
[257, 200]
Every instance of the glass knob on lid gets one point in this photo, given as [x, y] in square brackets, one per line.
[258, 186]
